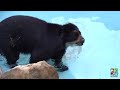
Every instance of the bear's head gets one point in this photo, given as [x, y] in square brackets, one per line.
[72, 34]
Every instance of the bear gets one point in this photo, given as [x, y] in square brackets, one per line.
[41, 39]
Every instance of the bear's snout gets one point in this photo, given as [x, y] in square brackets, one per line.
[80, 41]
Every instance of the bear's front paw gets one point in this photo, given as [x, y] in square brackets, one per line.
[60, 67]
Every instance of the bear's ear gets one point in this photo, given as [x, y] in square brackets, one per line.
[70, 26]
[61, 31]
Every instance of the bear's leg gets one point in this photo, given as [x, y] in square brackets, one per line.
[58, 61]
[36, 56]
[12, 56]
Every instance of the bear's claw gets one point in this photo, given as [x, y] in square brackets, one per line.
[61, 67]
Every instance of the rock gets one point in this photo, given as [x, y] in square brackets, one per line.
[40, 70]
